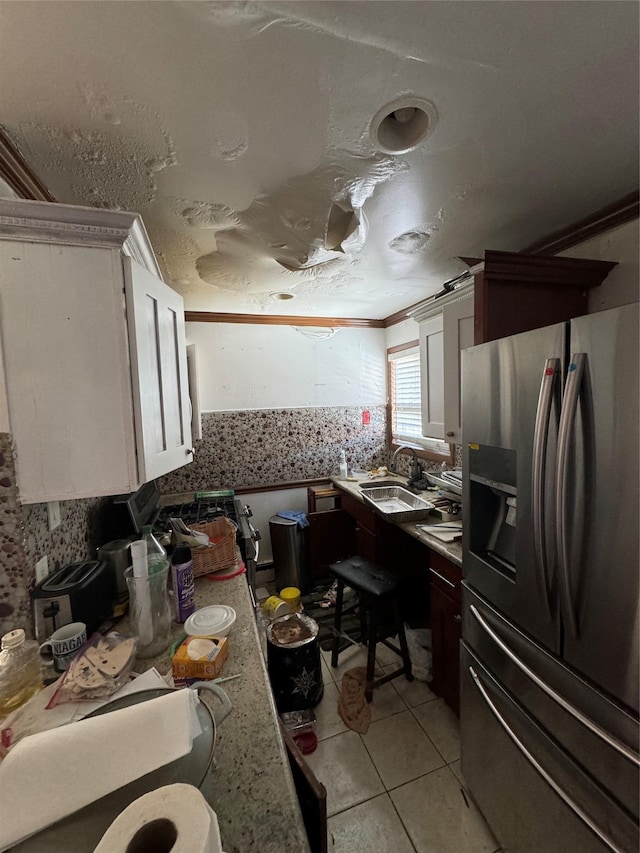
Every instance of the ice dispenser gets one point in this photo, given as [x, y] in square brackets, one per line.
[492, 515]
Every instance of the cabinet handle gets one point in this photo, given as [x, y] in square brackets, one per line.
[442, 578]
[451, 433]
[457, 618]
[189, 452]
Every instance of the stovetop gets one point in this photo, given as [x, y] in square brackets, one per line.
[198, 511]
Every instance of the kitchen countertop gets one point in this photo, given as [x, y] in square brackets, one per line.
[250, 787]
[451, 550]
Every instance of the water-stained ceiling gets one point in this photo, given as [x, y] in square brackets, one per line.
[242, 132]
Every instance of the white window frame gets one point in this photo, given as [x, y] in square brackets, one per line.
[433, 447]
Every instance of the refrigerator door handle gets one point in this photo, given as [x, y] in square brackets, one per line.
[584, 817]
[587, 722]
[548, 385]
[566, 432]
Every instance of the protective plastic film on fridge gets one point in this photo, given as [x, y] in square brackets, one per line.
[549, 712]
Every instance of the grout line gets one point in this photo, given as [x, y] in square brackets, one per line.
[402, 823]
[374, 764]
[426, 734]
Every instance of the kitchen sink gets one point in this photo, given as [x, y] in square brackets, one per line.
[396, 503]
[376, 484]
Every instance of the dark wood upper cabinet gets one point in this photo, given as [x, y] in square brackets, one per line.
[515, 293]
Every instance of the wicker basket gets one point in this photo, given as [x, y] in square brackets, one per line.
[221, 554]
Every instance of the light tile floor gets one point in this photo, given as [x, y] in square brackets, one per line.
[397, 789]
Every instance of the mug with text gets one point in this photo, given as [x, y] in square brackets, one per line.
[63, 645]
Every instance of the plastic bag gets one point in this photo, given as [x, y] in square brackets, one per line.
[419, 643]
[100, 668]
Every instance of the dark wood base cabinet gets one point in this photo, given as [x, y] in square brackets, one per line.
[387, 545]
[446, 628]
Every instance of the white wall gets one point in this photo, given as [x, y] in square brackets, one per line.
[621, 244]
[264, 505]
[263, 367]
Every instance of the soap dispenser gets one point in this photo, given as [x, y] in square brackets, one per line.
[343, 465]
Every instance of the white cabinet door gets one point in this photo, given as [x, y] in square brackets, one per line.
[64, 339]
[431, 376]
[458, 335]
[157, 347]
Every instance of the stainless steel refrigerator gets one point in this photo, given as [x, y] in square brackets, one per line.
[549, 656]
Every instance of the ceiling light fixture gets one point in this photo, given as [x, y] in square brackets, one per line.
[282, 296]
[402, 125]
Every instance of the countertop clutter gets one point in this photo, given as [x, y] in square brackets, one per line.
[248, 783]
[451, 550]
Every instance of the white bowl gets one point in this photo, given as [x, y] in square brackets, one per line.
[215, 620]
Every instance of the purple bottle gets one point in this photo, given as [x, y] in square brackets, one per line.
[183, 582]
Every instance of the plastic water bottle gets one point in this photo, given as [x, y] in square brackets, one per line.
[343, 465]
[183, 582]
[20, 674]
[156, 555]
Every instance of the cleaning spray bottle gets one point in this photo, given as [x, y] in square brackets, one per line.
[343, 465]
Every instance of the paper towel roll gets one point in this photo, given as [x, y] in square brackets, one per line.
[174, 818]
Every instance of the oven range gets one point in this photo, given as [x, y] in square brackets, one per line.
[147, 506]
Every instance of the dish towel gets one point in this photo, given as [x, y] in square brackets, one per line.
[293, 515]
[352, 706]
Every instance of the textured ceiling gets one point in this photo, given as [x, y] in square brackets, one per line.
[241, 133]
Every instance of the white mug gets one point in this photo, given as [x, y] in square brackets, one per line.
[63, 644]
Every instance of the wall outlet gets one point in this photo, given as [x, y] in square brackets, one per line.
[42, 568]
[53, 513]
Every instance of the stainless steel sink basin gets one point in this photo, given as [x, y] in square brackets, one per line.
[396, 503]
[376, 484]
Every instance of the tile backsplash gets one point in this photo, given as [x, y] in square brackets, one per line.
[238, 449]
[25, 538]
[265, 446]
[14, 565]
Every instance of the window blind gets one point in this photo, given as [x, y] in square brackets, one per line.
[406, 411]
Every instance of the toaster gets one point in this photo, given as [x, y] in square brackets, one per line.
[78, 592]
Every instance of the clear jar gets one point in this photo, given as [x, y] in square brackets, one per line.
[150, 611]
[20, 673]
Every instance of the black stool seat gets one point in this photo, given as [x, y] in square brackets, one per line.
[365, 577]
[377, 588]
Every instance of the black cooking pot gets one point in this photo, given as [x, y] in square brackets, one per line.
[294, 668]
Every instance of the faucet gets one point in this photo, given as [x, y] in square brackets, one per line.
[416, 469]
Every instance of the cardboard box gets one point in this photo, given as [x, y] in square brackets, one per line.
[199, 658]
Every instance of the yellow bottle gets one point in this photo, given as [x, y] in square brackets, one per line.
[20, 673]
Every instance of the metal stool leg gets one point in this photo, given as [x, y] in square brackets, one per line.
[337, 623]
[372, 607]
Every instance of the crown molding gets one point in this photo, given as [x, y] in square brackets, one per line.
[282, 320]
[71, 225]
[434, 305]
[624, 210]
[18, 174]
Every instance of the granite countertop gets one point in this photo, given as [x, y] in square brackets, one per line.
[249, 785]
[451, 550]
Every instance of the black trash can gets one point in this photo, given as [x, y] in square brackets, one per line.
[293, 661]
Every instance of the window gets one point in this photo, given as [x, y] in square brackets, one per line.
[405, 415]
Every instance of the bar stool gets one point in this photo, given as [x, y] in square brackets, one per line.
[376, 588]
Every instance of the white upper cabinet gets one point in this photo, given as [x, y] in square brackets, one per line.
[94, 353]
[457, 318]
[446, 328]
[432, 377]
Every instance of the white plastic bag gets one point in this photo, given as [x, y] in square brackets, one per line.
[419, 643]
